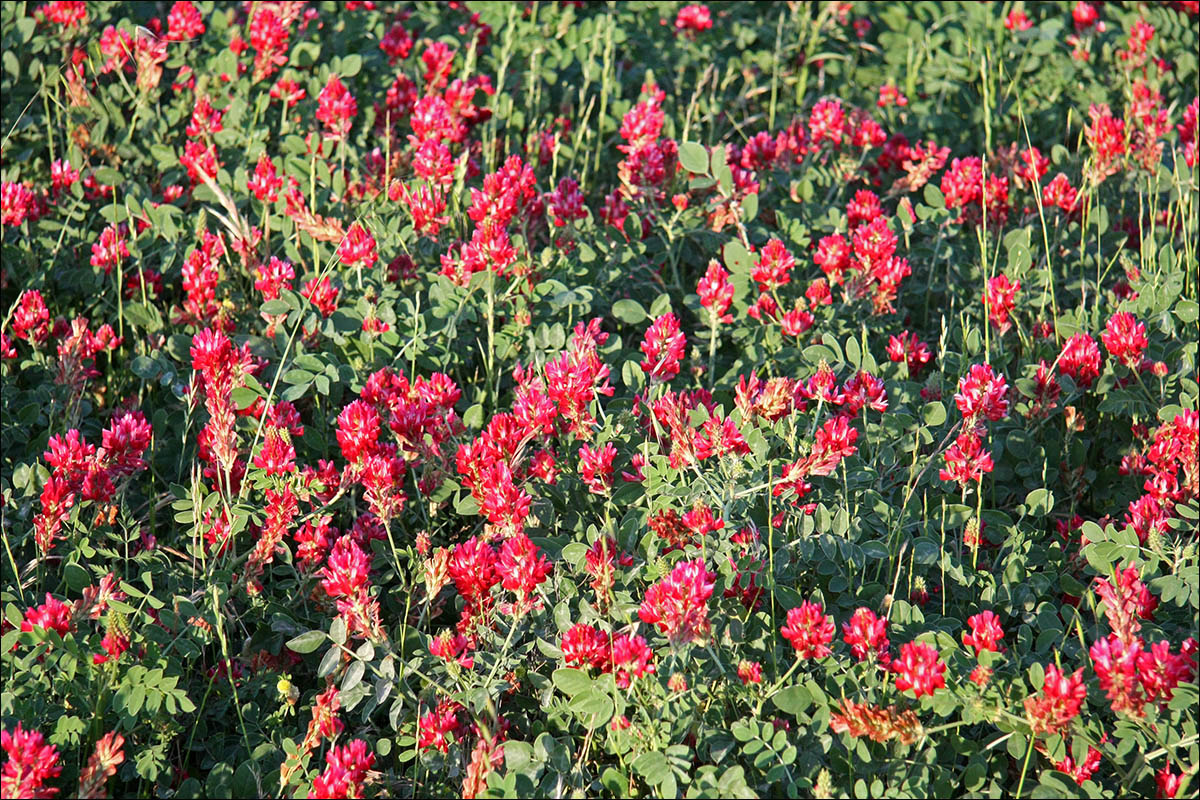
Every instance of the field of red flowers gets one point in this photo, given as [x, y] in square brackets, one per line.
[600, 399]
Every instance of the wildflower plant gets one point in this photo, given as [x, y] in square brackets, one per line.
[670, 399]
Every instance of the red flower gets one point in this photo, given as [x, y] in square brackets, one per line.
[473, 569]
[358, 247]
[336, 108]
[265, 184]
[985, 634]
[663, 347]
[999, 300]
[30, 764]
[1125, 338]
[521, 567]
[184, 22]
[596, 467]
[1080, 358]
[1082, 771]
[774, 267]
[347, 571]
[1017, 21]
[678, 604]
[322, 294]
[693, 18]
[809, 630]
[54, 615]
[1168, 782]
[749, 672]
[345, 771]
[919, 668]
[585, 646]
[716, 292]
[966, 460]
[631, 658]
[1116, 665]
[982, 393]
[827, 123]
[867, 636]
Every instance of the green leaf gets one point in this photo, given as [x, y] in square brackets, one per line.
[1040, 502]
[792, 700]
[571, 681]
[1187, 311]
[629, 311]
[694, 158]
[653, 766]
[354, 675]
[351, 65]
[934, 413]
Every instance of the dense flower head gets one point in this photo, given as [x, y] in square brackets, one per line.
[827, 123]
[473, 568]
[585, 646]
[693, 18]
[809, 630]
[358, 248]
[867, 636]
[1061, 699]
[663, 347]
[1080, 358]
[773, 267]
[1125, 338]
[1000, 299]
[336, 108]
[982, 393]
[678, 604]
[985, 633]
[31, 763]
[521, 566]
[912, 351]
[184, 22]
[716, 292]
[265, 183]
[967, 460]
[348, 569]
[596, 467]
[919, 668]
[345, 771]
[31, 319]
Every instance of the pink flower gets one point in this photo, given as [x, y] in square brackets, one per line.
[265, 183]
[336, 108]
[774, 267]
[749, 672]
[596, 467]
[867, 636]
[631, 658]
[999, 300]
[1125, 338]
[967, 461]
[345, 771]
[663, 347]
[919, 668]
[1061, 698]
[30, 764]
[809, 630]
[358, 247]
[1080, 359]
[982, 393]
[521, 567]
[693, 18]
[716, 292]
[678, 604]
[985, 634]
